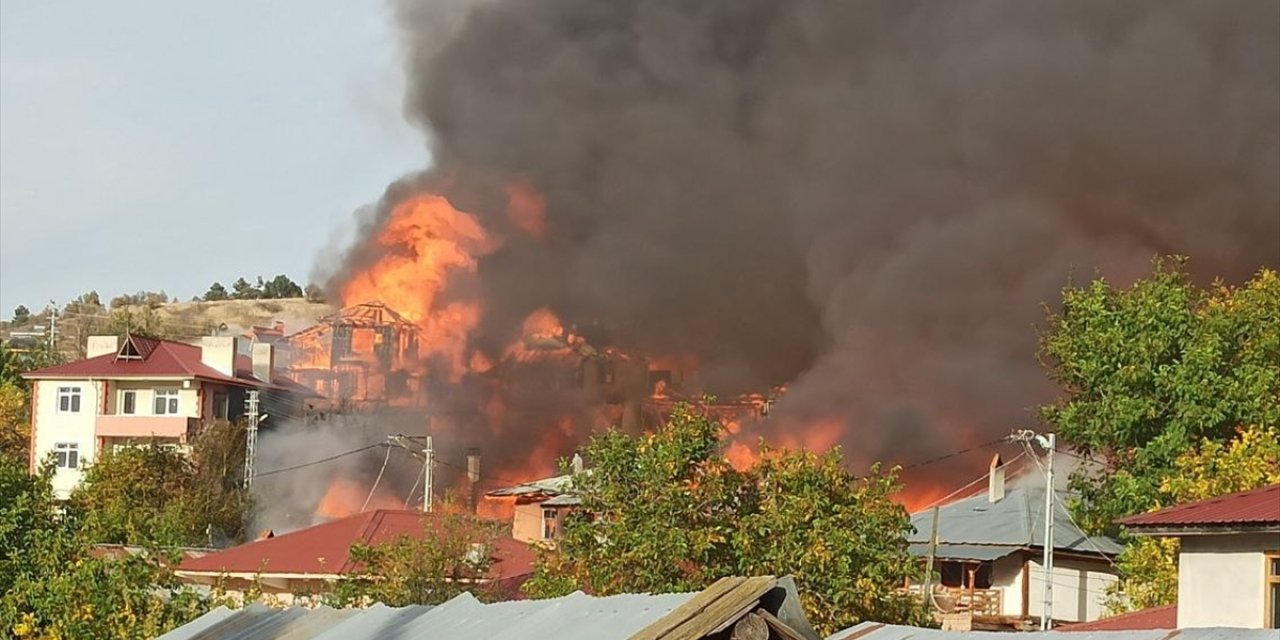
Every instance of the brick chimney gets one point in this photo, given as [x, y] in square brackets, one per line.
[219, 353]
[101, 346]
[995, 480]
[264, 361]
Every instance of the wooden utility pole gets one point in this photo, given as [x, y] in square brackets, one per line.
[933, 552]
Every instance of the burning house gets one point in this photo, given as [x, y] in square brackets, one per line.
[364, 355]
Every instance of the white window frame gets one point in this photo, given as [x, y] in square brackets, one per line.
[166, 402]
[66, 455]
[124, 393]
[74, 397]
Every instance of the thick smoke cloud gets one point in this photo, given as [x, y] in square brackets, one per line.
[869, 201]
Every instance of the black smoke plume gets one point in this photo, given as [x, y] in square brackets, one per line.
[866, 200]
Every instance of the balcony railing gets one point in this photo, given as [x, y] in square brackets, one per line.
[979, 602]
[134, 426]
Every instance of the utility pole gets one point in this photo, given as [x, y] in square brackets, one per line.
[933, 551]
[428, 471]
[1048, 442]
[53, 328]
[251, 436]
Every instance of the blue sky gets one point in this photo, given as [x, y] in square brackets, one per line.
[158, 145]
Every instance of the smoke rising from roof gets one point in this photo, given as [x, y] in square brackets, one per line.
[867, 200]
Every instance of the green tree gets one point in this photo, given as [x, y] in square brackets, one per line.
[281, 287]
[15, 425]
[1148, 566]
[21, 315]
[1149, 371]
[53, 586]
[453, 555]
[665, 512]
[216, 292]
[158, 494]
[242, 290]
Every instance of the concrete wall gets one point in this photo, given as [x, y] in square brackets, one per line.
[526, 526]
[1079, 588]
[50, 427]
[1006, 575]
[1221, 580]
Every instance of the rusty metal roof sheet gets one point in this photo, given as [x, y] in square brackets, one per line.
[1256, 507]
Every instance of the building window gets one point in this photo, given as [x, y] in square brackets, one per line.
[166, 402]
[66, 455]
[966, 575]
[221, 406]
[550, 524]
[68, 399]
[1273, 590]
[129, 402]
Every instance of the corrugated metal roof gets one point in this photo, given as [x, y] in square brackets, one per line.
[1017, 521]
[573, 617]
[556, 485]
[877, 631]
[1256, 507]
[979, 552]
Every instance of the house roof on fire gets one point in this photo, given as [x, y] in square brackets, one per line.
[975, 528]
[366, 314]
[553, 486]
[324, 549]
[769, 601]
[143, 358]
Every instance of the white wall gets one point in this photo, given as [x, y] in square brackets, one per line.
[52, 427]
[1221, 580]
[188, 398]
[1006, 575]
[1079, 588]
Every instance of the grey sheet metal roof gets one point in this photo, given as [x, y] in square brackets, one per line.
[877, 631]
[980, 552]
[572, 617]
[1017, 520]
[556, 485]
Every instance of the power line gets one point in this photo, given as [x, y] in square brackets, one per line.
[957, 491]
[377, 480]
[320, 461]
[953, 454]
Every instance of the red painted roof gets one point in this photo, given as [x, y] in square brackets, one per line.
[1256, 507]
[1165, 617]
[161, 359]
[325, 548]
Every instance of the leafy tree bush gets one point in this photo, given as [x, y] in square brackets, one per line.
[1148, 566]
[455, 551]
[281, 287]
[665, 512]
[157, 494]
[21, 315]
[15, 424]
[241, 289]
[216, 292]
[1149, 371]
[52, 585]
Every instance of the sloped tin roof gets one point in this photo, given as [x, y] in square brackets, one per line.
[325, 549]
[1165, 617]
[1015, 521]
[573, 617]
[1249, 508]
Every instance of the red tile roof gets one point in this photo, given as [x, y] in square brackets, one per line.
[324, 549]
[161, 359]
[1165, 617]
[1256, 507]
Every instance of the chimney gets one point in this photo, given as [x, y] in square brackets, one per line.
[577, 463]
[219, 353]
[101, 346]
[264, 361]
[278, 326]
[995, 480]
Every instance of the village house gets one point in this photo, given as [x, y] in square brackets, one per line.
[365, 355]
[141, 390]
[989, 553]
[536, 509]
[1228, 558]
[310, 560]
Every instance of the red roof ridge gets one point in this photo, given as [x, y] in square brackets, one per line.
[1254, 506]
[1165, 617]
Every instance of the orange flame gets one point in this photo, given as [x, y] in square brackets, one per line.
[345, 497]
[425, 242]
